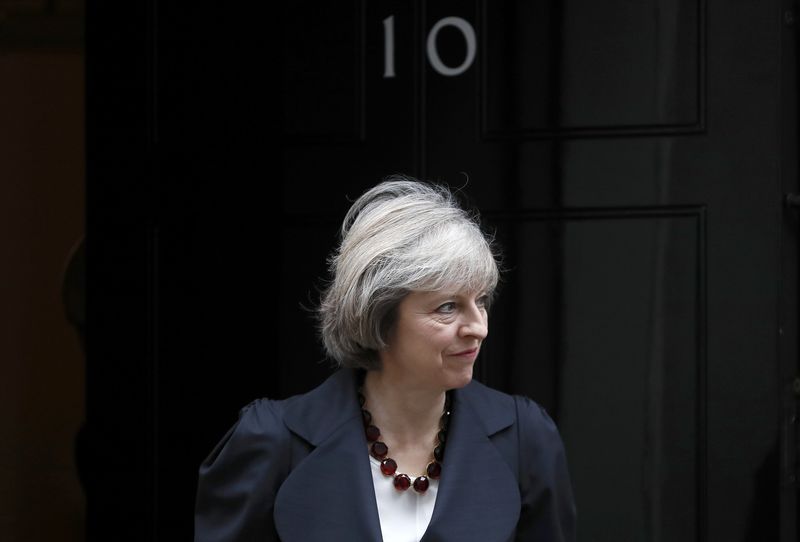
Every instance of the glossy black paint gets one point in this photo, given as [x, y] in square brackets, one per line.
[632, 159]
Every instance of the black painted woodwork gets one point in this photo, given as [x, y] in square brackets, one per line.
[631, 158]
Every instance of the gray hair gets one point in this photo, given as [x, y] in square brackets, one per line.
[400, 236]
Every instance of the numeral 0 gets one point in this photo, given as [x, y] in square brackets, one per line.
[433, 54]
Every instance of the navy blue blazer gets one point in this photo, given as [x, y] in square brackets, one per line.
[297, 470]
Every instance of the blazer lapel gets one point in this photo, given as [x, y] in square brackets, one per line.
[478, 498]
[329, 495]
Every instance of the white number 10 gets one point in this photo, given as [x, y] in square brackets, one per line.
[433, 54]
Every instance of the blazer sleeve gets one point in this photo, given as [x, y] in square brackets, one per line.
[238, 481]
[548, 507]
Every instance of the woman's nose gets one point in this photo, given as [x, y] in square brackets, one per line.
[475, 324]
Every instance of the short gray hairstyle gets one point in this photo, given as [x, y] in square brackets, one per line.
[400, 236]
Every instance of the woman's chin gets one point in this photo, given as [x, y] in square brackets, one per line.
[461, 378]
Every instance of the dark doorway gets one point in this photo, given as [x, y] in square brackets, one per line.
[633, 159]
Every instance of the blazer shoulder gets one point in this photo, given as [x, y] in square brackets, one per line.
[263, 417]
[493, 407]
[534, 419]
[548, 505]
[259, 427]
[498, 410]
[239, 479]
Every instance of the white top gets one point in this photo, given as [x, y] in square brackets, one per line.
[404, 515]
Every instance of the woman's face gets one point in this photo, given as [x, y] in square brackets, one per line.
[435, 339]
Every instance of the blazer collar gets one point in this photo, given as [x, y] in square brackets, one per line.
[329, 495]
[318, 413]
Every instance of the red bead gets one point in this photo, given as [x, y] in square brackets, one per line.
[421, 484]
[372, 432]
[402, 482]
[379, 450]
[388, 466]
[434, 470]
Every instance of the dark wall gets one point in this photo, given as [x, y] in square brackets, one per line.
[42, 367]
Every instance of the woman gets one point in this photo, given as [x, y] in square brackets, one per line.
[399, 444]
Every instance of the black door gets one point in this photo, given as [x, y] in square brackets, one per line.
[631, 157]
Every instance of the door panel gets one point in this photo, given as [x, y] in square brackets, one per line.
[602, 68]
[630, 394]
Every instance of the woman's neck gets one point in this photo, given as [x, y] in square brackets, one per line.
[404, 412]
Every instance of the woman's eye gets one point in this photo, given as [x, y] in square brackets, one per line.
[482, 301]
[446, 308]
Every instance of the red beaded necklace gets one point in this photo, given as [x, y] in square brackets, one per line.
[380, 450]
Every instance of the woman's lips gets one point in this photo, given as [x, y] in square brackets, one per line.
[469, 353]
